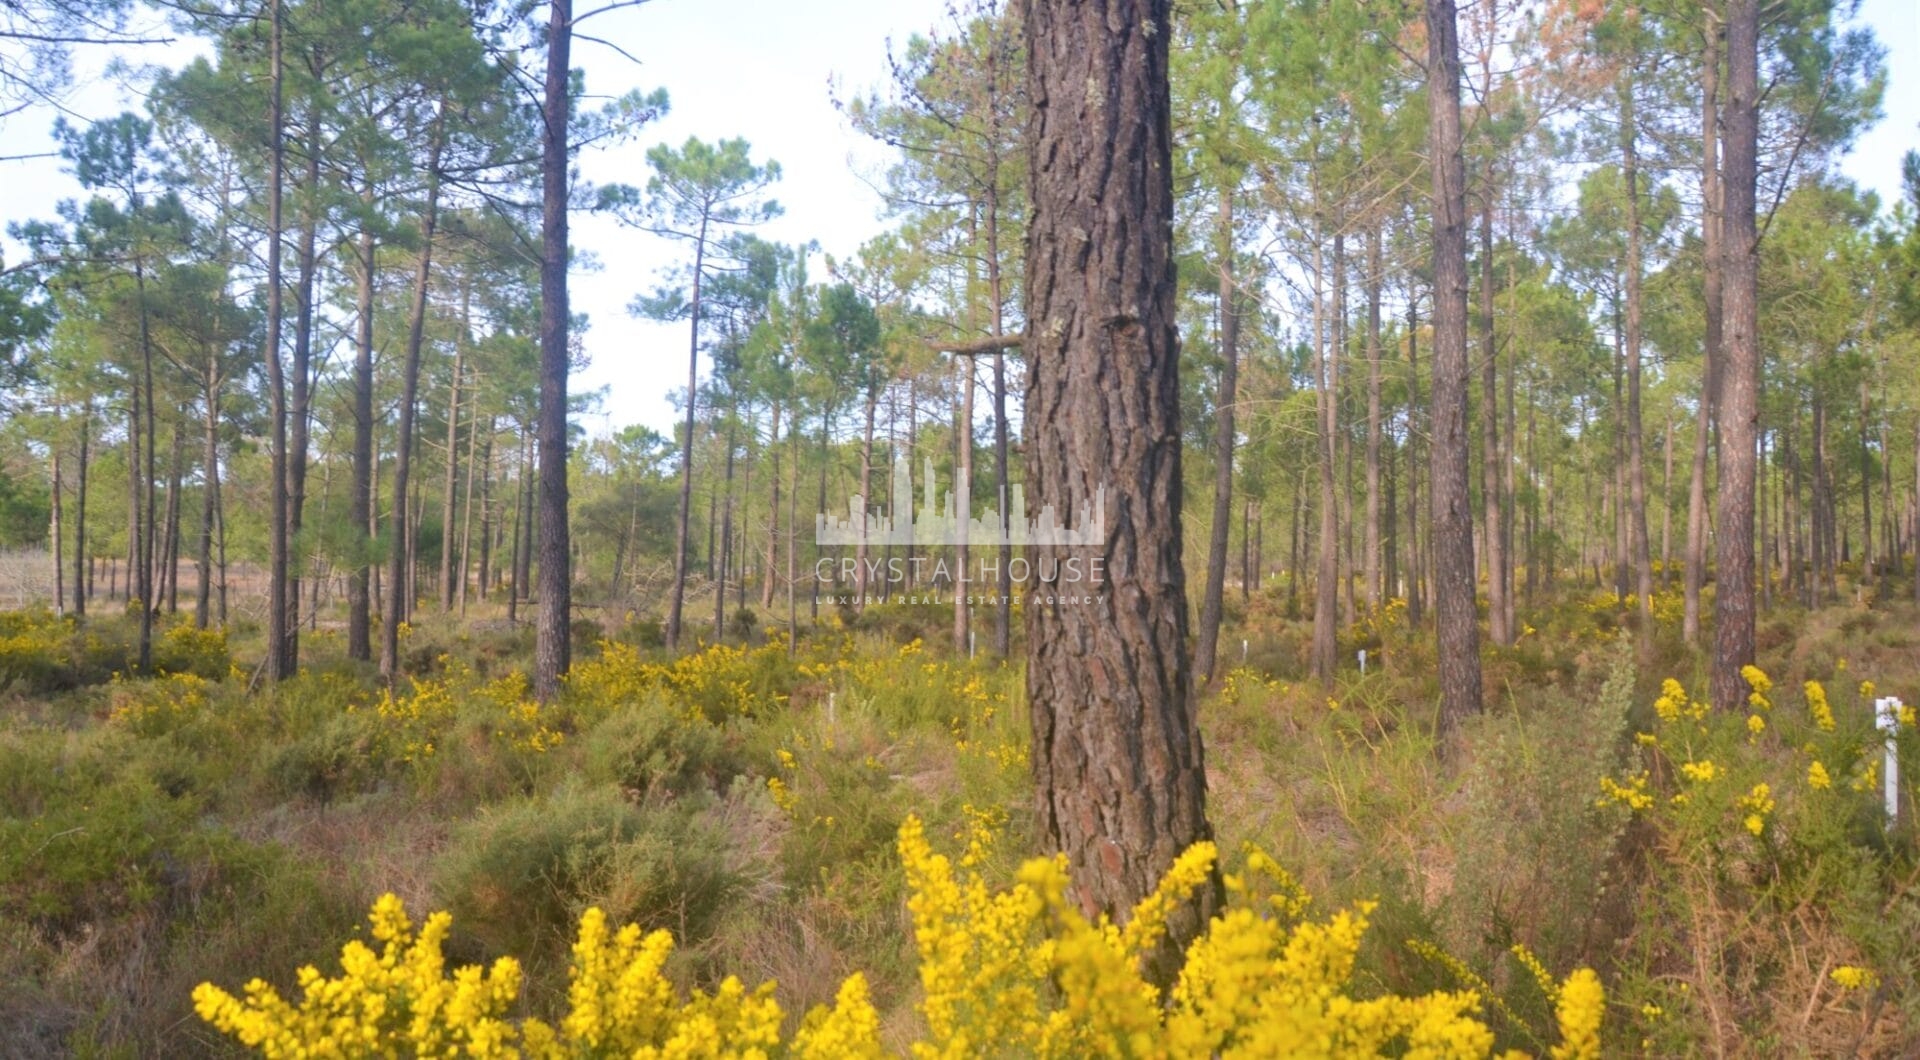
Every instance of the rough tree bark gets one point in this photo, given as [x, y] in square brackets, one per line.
[1454, 609]
[552, 649]
[1118, 764]
[1733, 613]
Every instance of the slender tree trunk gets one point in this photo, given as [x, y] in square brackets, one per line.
[450, 482]
[1459, 633]
[677, 600]
[517, 563]
[1733, 611]
[866, 497]
[360, 505]
[793, 574]
[1213, 601]
[773, 513]
[1825, 588]
[962, 503]
[279, 664]
[553, 646]
[400, 594]
[210, 494]
[1003, 609]
[1666, 509]
[300, 406]
[726, 538]
[1636, 454]
[1118, 762]
[1373, 563]
[144, 466]
[82, 553]
[1416, 567]
[1712, 282]
[1866, 490]
[54, 533]
[466, 514]
[170, 549]
[1326, 589]
[487, 526]
[1490, 477]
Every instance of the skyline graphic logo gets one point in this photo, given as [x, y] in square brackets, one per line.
[953, 523]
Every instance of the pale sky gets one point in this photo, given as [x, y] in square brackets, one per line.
[759, 69]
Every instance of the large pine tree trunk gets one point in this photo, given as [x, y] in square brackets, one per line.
[1213, 602]
[1458, 629]
[552, 651]
[1117, 755]
[1733, 610]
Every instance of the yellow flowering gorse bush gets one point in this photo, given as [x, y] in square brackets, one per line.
[1017, 972]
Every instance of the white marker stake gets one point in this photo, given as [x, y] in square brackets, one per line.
[1243, 651]
[1886, 718]
[830, 696]
[1363, 662]
[971, 635]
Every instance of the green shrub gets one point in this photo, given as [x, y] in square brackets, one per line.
[520, 874]
[82, 835]
[182, 649]
[647, 748]
[36, 652]
[333, 759]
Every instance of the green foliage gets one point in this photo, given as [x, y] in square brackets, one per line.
[520, 875]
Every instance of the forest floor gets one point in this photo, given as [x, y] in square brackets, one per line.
[1731, 876]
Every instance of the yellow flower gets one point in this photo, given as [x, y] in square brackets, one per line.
[1761, 684]
[1582, 1005]
[1755, 726]
[1818, 707]
[1850, 977]
[1633, 793]
[1700, 772]
[1758, 803]
[1817, 776]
